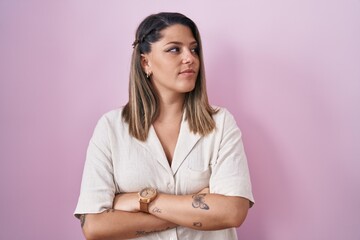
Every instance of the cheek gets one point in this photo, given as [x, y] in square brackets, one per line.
[165, 69]
[161, 66]
[197, 63]
[164, 72]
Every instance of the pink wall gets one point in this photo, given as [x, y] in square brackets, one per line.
[288, 70]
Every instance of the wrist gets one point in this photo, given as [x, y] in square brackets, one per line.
[152, 205]
[126, 202]
[146, 196]
[135, 202]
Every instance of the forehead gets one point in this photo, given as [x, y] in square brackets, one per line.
[177, 33]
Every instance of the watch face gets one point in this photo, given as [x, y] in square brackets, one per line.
[148, 192]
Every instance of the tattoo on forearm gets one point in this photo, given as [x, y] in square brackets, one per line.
[82, 219]
[197, 224]
[143, 233]
[156, 210]
[199, 201]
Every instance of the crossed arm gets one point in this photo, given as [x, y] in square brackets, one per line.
[202, 211]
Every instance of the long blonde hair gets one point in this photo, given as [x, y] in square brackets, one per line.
[142, 108]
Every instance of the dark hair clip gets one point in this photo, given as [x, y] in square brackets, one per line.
[136, 42]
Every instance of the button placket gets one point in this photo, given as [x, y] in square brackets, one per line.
[171, 186]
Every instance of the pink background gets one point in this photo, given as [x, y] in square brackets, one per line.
[289, 71]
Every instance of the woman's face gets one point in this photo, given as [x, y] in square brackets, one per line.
[173, 61]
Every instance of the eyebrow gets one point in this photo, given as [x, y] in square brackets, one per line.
[180, 43]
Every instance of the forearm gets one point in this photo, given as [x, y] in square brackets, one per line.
[113, 224]
[201, 211]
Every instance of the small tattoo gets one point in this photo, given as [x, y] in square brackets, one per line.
[110, 210]
[143, 233]
[199, 201]
[156, 210]
[82, 219]
[197, 224]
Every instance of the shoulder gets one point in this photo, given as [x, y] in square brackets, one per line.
[110, 119]
[112, 116]
[222, 114]
[110, 126]
[224, 120]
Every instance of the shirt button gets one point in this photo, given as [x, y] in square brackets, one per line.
[170, 186]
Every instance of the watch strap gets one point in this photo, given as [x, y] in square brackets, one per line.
[144, 207]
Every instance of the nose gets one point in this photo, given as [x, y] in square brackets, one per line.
[188, 56]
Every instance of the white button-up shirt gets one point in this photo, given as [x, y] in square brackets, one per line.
[119, 163]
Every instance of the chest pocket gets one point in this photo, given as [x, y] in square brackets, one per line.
[198, 159]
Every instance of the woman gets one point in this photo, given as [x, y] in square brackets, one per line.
[167, 165]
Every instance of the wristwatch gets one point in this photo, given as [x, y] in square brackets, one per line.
[146, 196]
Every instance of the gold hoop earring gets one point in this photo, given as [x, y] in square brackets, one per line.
[148, 75]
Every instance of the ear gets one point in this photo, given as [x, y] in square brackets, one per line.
[145, 64]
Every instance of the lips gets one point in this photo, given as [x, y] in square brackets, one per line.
[187, 71]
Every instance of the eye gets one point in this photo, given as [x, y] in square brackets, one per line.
[174, 50]
[195, 50]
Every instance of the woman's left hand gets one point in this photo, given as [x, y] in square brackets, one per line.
[128, 202]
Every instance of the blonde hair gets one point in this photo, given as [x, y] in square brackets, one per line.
[142, 108]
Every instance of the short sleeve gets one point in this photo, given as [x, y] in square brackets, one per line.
[97, 186]
[230, 173]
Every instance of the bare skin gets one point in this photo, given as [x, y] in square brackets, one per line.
[114, 224]
[167, 128]
[202, 211]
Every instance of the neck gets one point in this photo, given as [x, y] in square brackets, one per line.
[171, 109]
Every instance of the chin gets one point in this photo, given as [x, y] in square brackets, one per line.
[187, 87]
